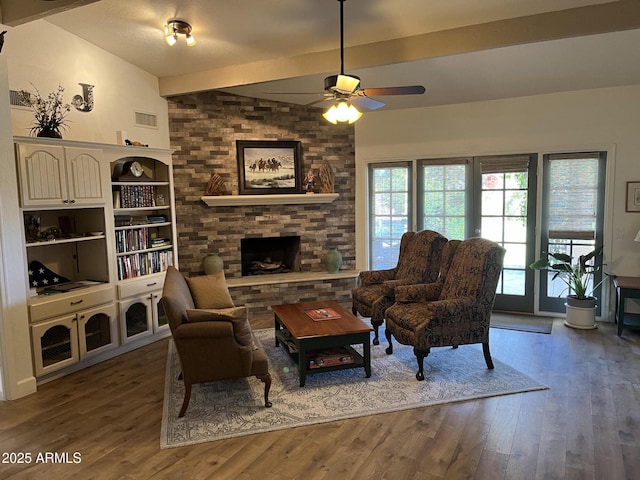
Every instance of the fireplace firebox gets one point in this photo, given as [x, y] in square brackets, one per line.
[269, 255]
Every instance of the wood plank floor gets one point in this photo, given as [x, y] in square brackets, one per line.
[587, 426]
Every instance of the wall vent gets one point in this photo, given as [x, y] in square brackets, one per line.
[16, 101]
[148, 120]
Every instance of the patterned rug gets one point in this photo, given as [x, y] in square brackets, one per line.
[234, 408]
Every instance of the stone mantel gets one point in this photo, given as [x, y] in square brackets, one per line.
[293, 277]
[271, 199]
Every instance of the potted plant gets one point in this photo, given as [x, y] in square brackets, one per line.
[581, 304]
[50, 113]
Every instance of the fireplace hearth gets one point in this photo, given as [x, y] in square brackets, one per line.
[269, 255]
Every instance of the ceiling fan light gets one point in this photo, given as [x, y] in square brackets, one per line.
[342, 112]
[347, 83]
[191, 40]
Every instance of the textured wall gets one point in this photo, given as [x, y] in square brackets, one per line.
[204, 128]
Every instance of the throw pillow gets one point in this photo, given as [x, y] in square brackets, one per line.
[236, 315]
[210, 291]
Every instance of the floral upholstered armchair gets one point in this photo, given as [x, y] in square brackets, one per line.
[455, 310]
[418, 262]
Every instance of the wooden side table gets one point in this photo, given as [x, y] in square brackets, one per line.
[626, 287]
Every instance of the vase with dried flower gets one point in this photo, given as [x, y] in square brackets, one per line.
[50, 112]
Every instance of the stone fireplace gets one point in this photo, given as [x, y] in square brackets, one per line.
[269, 255]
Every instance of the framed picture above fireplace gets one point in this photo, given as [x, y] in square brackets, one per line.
[269, 166]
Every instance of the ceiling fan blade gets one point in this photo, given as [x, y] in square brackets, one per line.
[366, 102]
[294, 93]
[408, 90]
[315, 102]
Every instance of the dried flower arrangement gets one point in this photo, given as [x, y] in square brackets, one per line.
[50, 112]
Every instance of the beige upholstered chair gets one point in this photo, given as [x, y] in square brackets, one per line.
[455, 310]
[213, 337]
[418, 262]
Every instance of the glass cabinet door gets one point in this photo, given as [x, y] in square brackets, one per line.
[55, 344]
[160, 319]
[97, 329]
[136, 319]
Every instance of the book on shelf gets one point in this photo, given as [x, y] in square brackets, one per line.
[317, 314]
[329, 357]
[156, 218]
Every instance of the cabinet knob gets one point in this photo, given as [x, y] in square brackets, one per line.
[72, 201]
[152, 284]
[76, 303]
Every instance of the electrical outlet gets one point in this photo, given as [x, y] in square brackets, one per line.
[619, 233]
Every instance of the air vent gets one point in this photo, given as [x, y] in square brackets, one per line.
[16, 100]
[148, 120]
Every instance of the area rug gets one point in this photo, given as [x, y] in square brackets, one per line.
[234, 408]
[522, 323]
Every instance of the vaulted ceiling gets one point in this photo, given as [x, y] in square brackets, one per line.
[460, 50]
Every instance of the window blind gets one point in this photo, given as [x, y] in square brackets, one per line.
[573, 196]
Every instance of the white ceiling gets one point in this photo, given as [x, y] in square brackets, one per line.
[460, 50]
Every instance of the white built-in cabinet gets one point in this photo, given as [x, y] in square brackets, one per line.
[60, 176]
[73, 226]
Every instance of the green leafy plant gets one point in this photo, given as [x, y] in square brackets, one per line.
[576, 275]
[50, 112]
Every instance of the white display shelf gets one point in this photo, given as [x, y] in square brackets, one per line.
[271, 199]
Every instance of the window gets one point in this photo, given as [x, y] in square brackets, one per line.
[443, 187]
[390, 212]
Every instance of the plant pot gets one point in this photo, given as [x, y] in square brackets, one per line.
[48, 133]
[581, 313]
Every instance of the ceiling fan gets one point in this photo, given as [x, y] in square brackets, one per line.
[346, 91]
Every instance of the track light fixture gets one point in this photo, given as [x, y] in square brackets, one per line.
[176, 27]
[342, 112]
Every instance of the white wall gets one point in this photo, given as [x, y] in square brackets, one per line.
[44, 56]
[41, 54]
[582, 120]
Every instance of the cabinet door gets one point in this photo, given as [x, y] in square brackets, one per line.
[160, 319]
[42, 175]
[97, 330]
[55, 344]
[84, 175]
[136, 319]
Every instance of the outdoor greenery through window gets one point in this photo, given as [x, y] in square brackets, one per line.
[443, 206]
[390, 198]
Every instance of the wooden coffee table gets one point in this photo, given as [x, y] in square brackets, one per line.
[296, 329]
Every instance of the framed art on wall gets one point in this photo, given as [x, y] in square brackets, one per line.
[633, 197]
[269, 166]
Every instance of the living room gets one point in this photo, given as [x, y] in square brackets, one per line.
[582, 119]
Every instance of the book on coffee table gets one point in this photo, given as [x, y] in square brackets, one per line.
[317, 314]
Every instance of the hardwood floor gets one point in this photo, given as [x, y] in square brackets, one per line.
[586, 426]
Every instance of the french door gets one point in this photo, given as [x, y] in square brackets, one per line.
[504, 210]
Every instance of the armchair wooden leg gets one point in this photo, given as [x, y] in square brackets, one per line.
[389, 349]
[487, 355]
[420, 356]
[376, 325]
[185, 402]
[266, 379]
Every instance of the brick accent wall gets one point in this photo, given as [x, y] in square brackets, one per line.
[204, 128]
